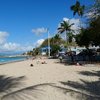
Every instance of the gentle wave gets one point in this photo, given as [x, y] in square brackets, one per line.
[11, 59]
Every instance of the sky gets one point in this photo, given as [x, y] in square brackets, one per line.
[24, 23]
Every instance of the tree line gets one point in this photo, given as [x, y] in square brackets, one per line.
[88, 35]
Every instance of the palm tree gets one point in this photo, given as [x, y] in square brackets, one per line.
[77, 8]
[57, 39]
[70, 37]
[65, 26]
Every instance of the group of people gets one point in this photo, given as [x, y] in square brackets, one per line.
[40, 60]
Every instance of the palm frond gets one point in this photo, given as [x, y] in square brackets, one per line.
[49, 91]
[59, 28]
[77, 8]
[77, 4]
[72, 7]
[61, 31]
[74, 13]
[71, 25]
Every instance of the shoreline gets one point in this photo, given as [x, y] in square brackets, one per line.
[13, 62]
[16, 60]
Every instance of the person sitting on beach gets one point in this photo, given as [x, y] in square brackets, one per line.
[43, 62]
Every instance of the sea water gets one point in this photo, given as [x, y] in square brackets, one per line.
[8, 59]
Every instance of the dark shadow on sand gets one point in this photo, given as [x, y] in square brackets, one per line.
[28, 93]
[40, 92]
[88, 73]
[8, 83]
[90, 87]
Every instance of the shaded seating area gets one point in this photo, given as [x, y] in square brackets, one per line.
[85, 56]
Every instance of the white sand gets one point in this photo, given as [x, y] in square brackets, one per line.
[52, 72]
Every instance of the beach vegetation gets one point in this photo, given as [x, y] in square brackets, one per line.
[55, 43]
[91, 34]
[55, 49]
[65, 26]
[78, 9]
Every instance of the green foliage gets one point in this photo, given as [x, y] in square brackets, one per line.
[55, 43]
[90, 35]
[83, 39]
[77, 8]
[45, 43]
[30, 53]
[70, 37]
[36, 51]
[54, 49]
[65, 26]
[56, 40]
[94, 29]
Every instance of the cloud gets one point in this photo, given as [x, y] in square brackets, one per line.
[39, 31]
[92, 14]
[15, 47]
[3, 36]
[89, 14]
[11, 46]
[65, 19]
[39, 42]
[76, 25]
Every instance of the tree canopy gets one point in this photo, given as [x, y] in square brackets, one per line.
[78, 9]
[65, 26]
[90, 35]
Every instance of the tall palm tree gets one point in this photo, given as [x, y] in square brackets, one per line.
[78, 9]
[65, 26]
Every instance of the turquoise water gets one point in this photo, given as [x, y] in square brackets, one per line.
[11, 59]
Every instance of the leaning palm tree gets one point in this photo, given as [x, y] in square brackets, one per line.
[78, 9]
[65, 26]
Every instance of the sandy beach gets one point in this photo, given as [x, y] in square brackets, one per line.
[49, 81]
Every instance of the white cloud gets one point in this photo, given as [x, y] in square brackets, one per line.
[3, 36]
[76, 25]
[15, 47]
[10, 46]
[65, 19]
[39, 31]
[39, 42]
[89, 14]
